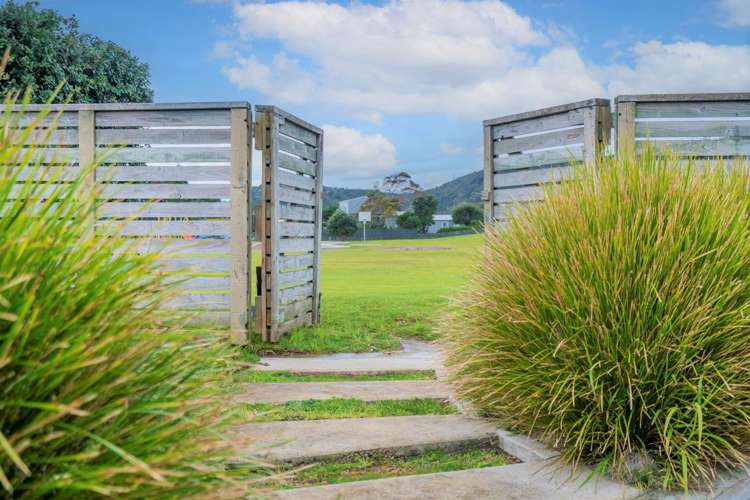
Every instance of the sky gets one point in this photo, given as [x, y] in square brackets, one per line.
[404, 85]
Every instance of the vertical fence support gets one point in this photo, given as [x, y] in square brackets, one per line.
[240, 234]
[597, 122]
[489, 170]
[318, 228]
[86, 155]
[625, 127]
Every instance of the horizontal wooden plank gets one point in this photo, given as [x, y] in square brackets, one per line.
[296, 229]
[550, 122]
[288, 262]
[541, 158]
[296, 164]
[296, 245]
[163, 174]
[532, 176]
[293, 130]
[700, 109]
[164, 191]
[166, 227]
[50, 173]
[294, 278]
[288, 312]
[174, 247]
[164, 155]
[701, 128]
[504, 211]
[207, 319]
[539, 141]
[295, 293]
[685, 97]
[204, 283]
[527, 193]
[64, 119]
[296, 180]
[553, 110]
[289, 195]
[123, 136]
[57, 136]
[197, 209]
[197, 264]
[718, 147]
[163, 118]
[301, 321]
[199, 301]
[298, 148]
[293, 212]
[57, 155]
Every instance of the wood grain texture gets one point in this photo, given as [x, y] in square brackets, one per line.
[296, 245]
[175, 247]
[198, 264]
[720, 147]
[297, 148]
[171, 154]
[296, 164]
[296, 309]
[532, 176]
[297, 213]
[162, 228]
[163, 173]
[571, 118]
[295, 293]
[124, 136]
[288, 195]
[316, 293]
[297, 180]
[563, 108]
[625, 127]
[288, 128]
[519, 194]
[164, 191]
[699, 129]
[295, 278]
[538, 159]
[539, 141]
[699, 109]
[199, 301]
[164, 118]
[287, 262]
[296, 229]
[198, 209]
[488, 167]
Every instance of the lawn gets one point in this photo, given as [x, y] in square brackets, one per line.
[377, 293]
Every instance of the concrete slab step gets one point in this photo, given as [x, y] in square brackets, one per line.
[529, 480]
[415, 356]
[365, 391]
[307, 441]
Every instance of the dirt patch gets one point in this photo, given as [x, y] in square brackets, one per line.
[416, 249]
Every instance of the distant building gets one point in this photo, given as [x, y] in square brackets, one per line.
[352, 205]
[440, 221]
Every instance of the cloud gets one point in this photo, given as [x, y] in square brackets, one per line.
[737, 12]
[681, 67]
[451, 149]
[350, 153]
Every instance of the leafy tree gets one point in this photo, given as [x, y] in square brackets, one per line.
[382, 206]
[408, 220]
[47, 49]
[328, 211]
[467, 214]
[424, 208]
[341, 224]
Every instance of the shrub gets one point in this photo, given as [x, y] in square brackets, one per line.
[341, 224]
[467, 214]
[424, 208]
[612, 320]
[453, 229]
[408, 220]
[98, 395]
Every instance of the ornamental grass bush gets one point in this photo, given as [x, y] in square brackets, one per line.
[613, 320]
[99, 393]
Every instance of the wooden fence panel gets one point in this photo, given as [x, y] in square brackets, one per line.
[176, 179]
[702, 125]
[290, 225]
[525, 150]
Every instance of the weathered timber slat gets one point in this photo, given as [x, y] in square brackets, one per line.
[163, 118]
[296, 164]
[723, 128]
[167, 228]
[532, 176]
[298, 148]
[295, 309]
[719, 147]
[164, 191]
[287, 262]
[206, 301]
[296, 229]
[163, 174]
[164, 154]
[294, 212]
[539, 141]
[197, 264]
[295, 293]
[295, 278]
[706, 109]
[289, 195]
[297, 180]
[538, 159]
[197, 209]
[123, 136]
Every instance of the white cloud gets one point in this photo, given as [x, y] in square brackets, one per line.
[737, 12]
[451, 149]
[369, 116]
[354, 155]
[682, 67]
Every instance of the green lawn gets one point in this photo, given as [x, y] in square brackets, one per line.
[375, 294]
[346, 408]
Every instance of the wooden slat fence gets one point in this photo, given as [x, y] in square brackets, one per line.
[291, 222]
[524, 150]
[178, 176]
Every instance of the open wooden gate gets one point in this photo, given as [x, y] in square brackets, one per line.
[289, 222]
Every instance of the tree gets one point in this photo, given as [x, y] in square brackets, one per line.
[408, 220]
[382, 206]
[467, 214]
[424, 208]
[328, 211]
[341, 224]
[46, 49]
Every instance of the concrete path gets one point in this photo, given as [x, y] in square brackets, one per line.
[524, 481]
[415, 356]
[307, 441]
[365, 391]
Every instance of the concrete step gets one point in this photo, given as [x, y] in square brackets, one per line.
[365, 391]
[415, 356]
[529, 480]
[307, 441]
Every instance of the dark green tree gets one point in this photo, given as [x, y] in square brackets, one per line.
[467, 214]
[328, 211]
[424, 208]
[408, 220]
[46, 49]
[341, 224]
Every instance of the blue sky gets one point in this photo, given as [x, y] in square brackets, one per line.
[404, 85]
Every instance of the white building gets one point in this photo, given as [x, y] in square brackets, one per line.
[440, 221]
[352, 205]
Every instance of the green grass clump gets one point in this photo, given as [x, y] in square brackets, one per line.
[613, 320]
[98, 396]
[346, 408]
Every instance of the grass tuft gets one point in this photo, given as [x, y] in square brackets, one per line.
[612, 320]
[346, 408]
